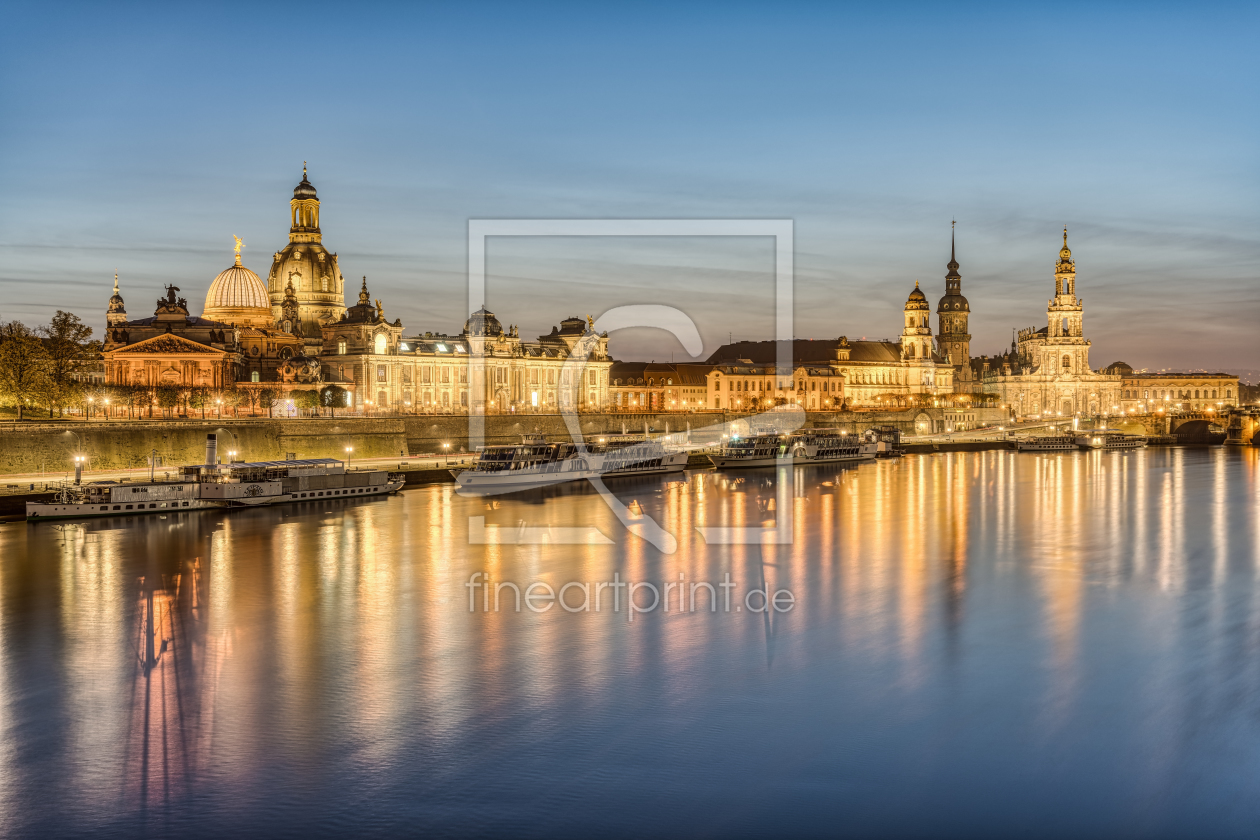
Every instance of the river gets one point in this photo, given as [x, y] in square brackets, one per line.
[980, 644]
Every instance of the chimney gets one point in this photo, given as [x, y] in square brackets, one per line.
[212, 449]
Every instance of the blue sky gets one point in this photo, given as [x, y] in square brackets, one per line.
[141, 138]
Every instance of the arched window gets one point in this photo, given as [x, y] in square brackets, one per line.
[382, 344]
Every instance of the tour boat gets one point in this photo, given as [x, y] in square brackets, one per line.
[808, 446]
[537, 463]
[213, 486]
[1108, 439]
[1047, 443]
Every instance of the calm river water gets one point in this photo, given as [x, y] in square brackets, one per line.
[982, 644]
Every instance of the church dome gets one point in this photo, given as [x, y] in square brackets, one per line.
[917, 299]
[483, 322]
[238, 296]
[305, 189]
[238, 287]
[953, 303]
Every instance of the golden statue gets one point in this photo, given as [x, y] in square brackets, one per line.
[380, 310]
[239, 246]
[590, 321]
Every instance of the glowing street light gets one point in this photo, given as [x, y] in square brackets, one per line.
[349, 449]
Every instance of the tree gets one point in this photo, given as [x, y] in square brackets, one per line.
[67, 340]
[199, 398]
[333, 397]
[250, 397]
[305, 399]
[24, 366]
[168, 397]
[231, 397]
[269, 396]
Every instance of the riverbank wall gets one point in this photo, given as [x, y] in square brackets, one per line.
[50, 447]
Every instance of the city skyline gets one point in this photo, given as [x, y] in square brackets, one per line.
[151, 162]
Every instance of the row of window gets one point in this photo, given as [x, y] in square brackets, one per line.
[1160, 394]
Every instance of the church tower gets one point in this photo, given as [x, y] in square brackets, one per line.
[116, 314]
[1065, 350]
[307, 266]
[916, 342]
[952, 312]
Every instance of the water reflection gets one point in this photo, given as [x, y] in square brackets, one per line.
[1044, 628]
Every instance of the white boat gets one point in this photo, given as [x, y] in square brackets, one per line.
[808, 446]
[219, 487]
[1047, 443]
[1109, 439]
[536, 463]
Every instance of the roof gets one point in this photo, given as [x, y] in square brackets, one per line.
[238, 287]
[306, 462]
[807, 350]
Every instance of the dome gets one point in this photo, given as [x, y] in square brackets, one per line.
[305, 189]
[917, 299]
[953, 303]
[238, 296]
[236, 288]
[483, 322]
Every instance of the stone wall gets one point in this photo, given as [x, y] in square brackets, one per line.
[50, 447]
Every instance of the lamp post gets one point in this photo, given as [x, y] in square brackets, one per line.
[349, 449]
[231, 456]
[78, 469]
[446, 451]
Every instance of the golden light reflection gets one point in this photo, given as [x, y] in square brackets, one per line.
[185, 647]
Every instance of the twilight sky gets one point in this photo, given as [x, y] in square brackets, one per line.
[141, 138]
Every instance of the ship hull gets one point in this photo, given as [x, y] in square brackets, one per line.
[723, 462]
[39, 511]
[474, 482]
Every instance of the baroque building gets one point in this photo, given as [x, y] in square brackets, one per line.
[439, 372]
[953, 338]
[1047, 372]
[170, 348]
[310, 268]
[1145, 393]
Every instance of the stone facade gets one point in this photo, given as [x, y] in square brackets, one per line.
[1047, 372]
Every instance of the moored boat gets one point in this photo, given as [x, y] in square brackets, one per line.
[218, 486]
[1109, 439]
[535, 462]
[1047, 443]
[808, 446]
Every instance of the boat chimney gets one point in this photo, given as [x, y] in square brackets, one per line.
[212, 449]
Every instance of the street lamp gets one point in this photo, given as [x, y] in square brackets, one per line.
[349, 449]
[446, 450]
[231, 456]
[78, 469]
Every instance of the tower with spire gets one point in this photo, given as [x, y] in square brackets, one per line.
[310, 269]
[116, 314]
[952, 312]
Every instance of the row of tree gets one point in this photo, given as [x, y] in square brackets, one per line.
[38, 366]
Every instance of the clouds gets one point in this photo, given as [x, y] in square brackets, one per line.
[142, 139]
